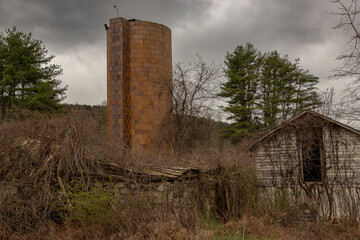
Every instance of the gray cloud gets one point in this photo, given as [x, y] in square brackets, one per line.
[68, 24]
[74, 31]
[269, 25]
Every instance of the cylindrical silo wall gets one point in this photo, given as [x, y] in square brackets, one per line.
[139, 59]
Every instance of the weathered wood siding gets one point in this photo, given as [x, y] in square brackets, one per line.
[276, 160]
[342, 154]
[278, 164]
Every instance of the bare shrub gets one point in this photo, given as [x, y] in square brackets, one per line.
[41, 155]
[64, 190]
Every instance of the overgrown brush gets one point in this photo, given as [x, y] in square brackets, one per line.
[52, 161]
[63, 192]
[44, 157]
[39, 156]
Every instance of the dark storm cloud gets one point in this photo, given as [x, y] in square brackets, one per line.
[69, 24]
[270, 25]
[293, 23]
[72, 23]
[61, 24]
[73, 30]
[301, 29]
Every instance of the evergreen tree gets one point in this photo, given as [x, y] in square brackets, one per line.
[243, 73]
[262, 88]
[306, 95]
[277, 91]
[27, 79]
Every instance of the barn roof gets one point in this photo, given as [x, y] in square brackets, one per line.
[300, 115]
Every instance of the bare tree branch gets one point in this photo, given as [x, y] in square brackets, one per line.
[193, 89]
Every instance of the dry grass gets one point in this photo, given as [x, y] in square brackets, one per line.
[263, 227]
[43, 155]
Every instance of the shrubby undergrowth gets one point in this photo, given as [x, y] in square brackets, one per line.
[53, 164]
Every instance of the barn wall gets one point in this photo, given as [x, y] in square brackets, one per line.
[276, 160]
[278, 165]
[342, 148]
[342, 203]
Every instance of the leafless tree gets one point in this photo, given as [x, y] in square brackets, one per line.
[330, 107]
[193, 89]
[349, 22]
[348, 13]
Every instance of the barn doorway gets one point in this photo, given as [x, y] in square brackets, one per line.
[311, 145]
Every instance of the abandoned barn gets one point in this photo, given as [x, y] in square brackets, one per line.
[314, 158]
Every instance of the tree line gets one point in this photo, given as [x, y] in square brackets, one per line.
[260, 88]
[263, 88]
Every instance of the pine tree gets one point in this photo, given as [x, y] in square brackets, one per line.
[243, 73]
[306, 95]
[27, 79]
[262, 88]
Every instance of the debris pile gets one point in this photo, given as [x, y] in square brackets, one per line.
[300, 213]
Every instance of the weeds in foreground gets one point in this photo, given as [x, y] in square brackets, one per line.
[92, 207]
[53, 163]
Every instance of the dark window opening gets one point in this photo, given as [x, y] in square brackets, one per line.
[311, 156]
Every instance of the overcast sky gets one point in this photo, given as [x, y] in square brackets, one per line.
[73, 30]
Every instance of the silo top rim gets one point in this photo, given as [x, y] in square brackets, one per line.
[131, 20]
